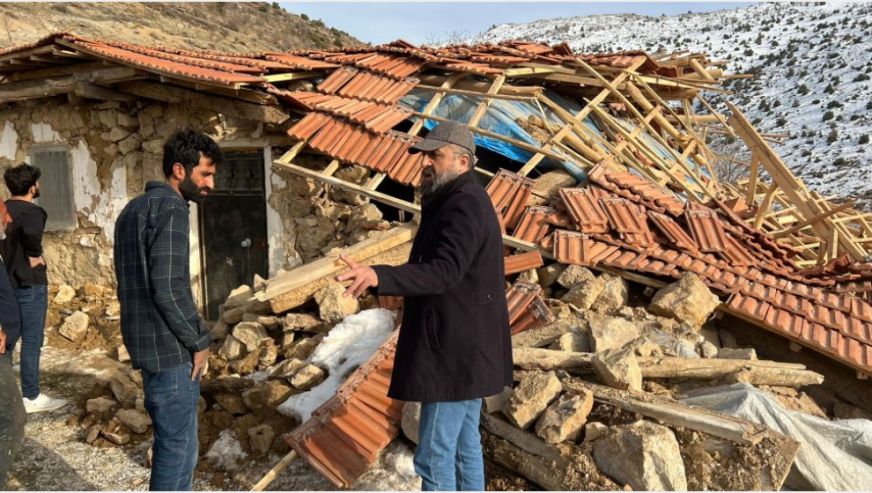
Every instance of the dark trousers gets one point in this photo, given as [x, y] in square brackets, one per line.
[33, 305]
[12, 417]
[171, 400]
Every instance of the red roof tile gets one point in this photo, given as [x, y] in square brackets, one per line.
[536, 315]
[672, 231]
[571, 247]
[345, 434]
[706, 229]
[509, 193]
[519, 297]
[532, 226]
[521, 262]
[167, 66]
[584, 207]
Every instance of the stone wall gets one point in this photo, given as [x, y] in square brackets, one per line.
[116, 148]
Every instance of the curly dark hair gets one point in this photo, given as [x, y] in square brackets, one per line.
[185, 148]
[20, 178]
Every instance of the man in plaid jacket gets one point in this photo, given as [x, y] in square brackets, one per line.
[164, 334]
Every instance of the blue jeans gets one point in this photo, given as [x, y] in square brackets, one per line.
[171, 401]
[449, 457]
[32, 305]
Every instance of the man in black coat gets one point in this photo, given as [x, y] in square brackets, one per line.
[455, 345]
[12, 416]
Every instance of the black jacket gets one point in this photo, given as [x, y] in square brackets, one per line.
[455, 342]
[24, 240]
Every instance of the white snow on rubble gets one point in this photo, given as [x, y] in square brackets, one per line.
[348, 345]
[226, 453]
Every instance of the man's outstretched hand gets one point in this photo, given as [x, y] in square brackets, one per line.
[361, 277]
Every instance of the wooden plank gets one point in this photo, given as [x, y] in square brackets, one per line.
[52, 72]
[751, 195]
[764, 206]
[756, 372]
[291, 76]
[807, 222]
[354, 187]
[579, 117]
[292, 152]
[298, 285]
[91, 91]
[698, 68]
[528, 71]
[219, 104]
[792, 186]
[482, 107]
[675, 413]
[515, 142]
[655, 135]
[41, 88]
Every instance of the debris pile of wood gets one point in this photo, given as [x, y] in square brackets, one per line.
[619, 177]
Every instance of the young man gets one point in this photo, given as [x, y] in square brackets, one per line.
[12, 415]
[454, 346]
[165, 336]
[22, 250]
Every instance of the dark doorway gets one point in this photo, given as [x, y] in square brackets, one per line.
[233, 234]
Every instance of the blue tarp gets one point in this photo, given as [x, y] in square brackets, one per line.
[501, 118]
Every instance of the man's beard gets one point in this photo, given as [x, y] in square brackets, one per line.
[431, 182]
[190, 191]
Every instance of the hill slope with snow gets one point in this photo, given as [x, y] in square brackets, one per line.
[812, 67]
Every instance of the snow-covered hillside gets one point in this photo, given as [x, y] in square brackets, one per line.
[812, 65]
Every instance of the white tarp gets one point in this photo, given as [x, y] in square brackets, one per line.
[833, 455]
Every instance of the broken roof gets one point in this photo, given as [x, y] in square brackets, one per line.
[655, 206]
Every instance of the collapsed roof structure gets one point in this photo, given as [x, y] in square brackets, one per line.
[632, 131]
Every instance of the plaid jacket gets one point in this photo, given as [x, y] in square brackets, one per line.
[159, 320]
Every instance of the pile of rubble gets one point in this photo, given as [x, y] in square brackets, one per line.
[597, 387]
[594, 405]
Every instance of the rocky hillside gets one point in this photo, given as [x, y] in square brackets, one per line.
[238, 27]
[811, 69]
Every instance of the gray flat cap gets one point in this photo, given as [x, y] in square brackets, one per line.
[446, 133]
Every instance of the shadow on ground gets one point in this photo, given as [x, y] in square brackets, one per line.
[45, 470]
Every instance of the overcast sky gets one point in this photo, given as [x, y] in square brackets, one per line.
[420, 23]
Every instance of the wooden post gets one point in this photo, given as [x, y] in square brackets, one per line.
[793, 187]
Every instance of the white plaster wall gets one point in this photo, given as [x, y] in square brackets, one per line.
[100, 206]
[8, 141]
[43, 133]
[274, 227]
[194, 257]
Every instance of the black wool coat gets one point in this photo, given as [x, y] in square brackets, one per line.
[455, 341]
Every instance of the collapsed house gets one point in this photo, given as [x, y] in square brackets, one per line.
[601, 161]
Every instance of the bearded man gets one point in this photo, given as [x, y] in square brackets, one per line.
[164, 334]
[454, 346]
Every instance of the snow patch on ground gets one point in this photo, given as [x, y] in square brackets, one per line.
[226, 453]
[395, 471]
[347, 346]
